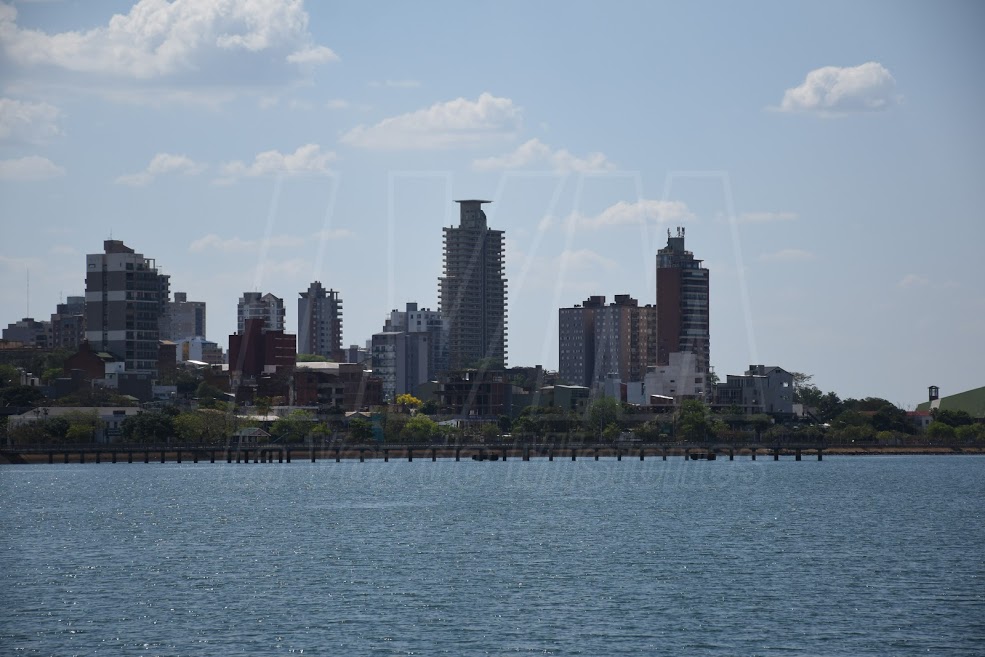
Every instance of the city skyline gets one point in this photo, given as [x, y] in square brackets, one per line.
[828, 177]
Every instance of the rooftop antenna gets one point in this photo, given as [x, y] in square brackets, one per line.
[28, 297]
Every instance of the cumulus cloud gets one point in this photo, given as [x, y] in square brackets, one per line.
[834, 91]
[456, 123]
[26, 121]
[765, 217]
[307, 159]
[30, 168]
[788, 255]
[625, 214]
[162, 163]
[534, 153]
[158, 39]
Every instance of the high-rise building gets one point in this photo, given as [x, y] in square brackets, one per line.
[598, 341]
[472, 292]
[410, 350]
[125, 305]
[255, 305]
[68, 324]
[320, 323]
[682, 305]
[186, 319]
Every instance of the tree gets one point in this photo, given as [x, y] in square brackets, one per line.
[147, 427]
[18, 395]
[952, 418]
[940, 431]
[602, 412]
[9, 376]
[408, 401]
[208, 394]
[970, 433]
[419, 429]
[611, 432]
[829, 406]
[430, 407]
[360, 429]
[293, 427]
[692, 422]
[310, 358]
[891, 418]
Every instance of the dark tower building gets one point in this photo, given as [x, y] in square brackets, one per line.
[682, 303]
[320, 323]
[472, 292]
[125, 305]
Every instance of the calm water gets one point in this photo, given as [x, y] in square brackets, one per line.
[851, 556]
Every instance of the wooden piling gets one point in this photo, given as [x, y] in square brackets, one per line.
[618, 454]
[731, 455]
[596, 453]
[97, 457]
[338, 456]
[797, 455]
[312, 454]
[212, 456]
[288, 454]
[776, 454]
[754, 454]
[66, 457]
[434, 455]
[82, 457]
[573, 453]
[386, 456]
[51, 457]
[550, 455]
[410, 455]
[130, 456]
[178, 456]
[362, 456]
[819, 454]
[526, 453]
[458, 453]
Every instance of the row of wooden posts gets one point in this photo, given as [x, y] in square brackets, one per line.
[267, 454]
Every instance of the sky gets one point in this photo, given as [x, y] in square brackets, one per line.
[826, 160]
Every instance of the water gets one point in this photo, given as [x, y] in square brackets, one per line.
[850, 556]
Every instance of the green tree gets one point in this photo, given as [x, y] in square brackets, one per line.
[293, 427]
[611, 432]
[602, 412]
[419, 428]
[952, 418]
[430, 407]
[941, 432]
[9, 376]
[970, 433]
[360, 430]
[311, 358]
[148, 427]
[18, 395]
[692, 421]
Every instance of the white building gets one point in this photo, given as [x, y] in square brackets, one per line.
[255, 305]
[682, 378]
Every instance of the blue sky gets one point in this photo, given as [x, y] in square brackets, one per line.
[826, 160]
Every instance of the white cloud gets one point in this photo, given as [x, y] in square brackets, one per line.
[624, 214]
[788, 255]
[396, 84]
[159, 39]
[535, 153]
[313, 55]
[30, 168]
[913, 280]
[584, 259]
[834, 90]
[26, 121]
[455, 123]
[765, 217]
[307, 159]
[213, 242]
[162, 163]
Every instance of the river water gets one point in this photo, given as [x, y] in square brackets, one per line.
[850, 556]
